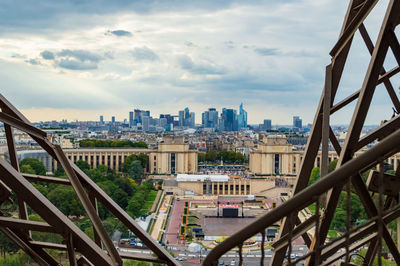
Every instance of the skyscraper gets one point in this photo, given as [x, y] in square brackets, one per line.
[242, 117]
[186, 120]
[229, 116]
[145, 123]
[137, 118]
[101, 120]
[113, 119]
[192, 120]
[170, 118]
[297, 122]
[130, 119]
[210, 118]
[267, 124]
[181, 118]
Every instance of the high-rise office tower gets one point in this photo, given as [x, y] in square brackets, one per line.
[131, 118]
[113, 119]
[267, 124]
[145, 123]
[101, 120]
[181, 118]
[297, 122]
[192, 120]
[210, 118]
[242, 117]
[230, 119]
[137, 117]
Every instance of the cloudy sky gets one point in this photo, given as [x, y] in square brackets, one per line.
[79, 59]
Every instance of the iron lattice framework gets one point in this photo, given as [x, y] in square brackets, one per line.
[325, 193]
[81, 249]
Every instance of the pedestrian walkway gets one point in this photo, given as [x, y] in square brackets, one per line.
[160, 218]
[175, 222]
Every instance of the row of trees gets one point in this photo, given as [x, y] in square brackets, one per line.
[93, 143]
[226, 156]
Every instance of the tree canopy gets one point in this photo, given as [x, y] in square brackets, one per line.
[226, 156]
[142, 158]
[96, 143]
[32, 166]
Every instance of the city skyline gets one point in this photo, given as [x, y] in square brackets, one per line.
[210, 118]
[77, 60]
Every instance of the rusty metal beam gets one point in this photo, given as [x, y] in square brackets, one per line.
[334, 141]
[119, 213]
[381, 132]
[33, 252]
[23, 211]
[71, 250]
[358, 119]
[385, 148]
[352, 27]
[42, 206]
[90, 210]
[354, 246]
[298, 231]
[106, 200]
[47, 179]
[26, 225]
[31, 130]
[314, 141]
[141, 257]
[388, 84]
[93, 201]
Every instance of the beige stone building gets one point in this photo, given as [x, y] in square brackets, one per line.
[274, 156]
[171, 156]
[111, 157]
[223, 185]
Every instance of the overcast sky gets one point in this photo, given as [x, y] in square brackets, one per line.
[80, 59]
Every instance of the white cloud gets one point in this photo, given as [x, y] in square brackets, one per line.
[270, 55]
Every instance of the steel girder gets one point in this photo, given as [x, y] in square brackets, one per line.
[81, 249]
[320, 136]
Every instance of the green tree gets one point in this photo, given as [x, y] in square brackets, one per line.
[332, 165]
[356, 208]
[339, 220]
[140, 144]
[314, 176]
[126, 165]
[6, 245]
[136, 170]
[27, 169]
[144, 160]
[211, 156]
[135, 204]
[66, 200]
[201, 157]
[35, 164]
[92, 143]
[59, 171]
[83, 165]
[120, 197]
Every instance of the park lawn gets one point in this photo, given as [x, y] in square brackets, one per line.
[149, 201]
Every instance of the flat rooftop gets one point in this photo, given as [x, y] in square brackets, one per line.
[202, 178]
